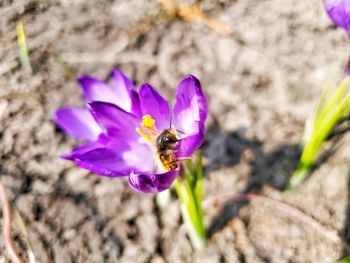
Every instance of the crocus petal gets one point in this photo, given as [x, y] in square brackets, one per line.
[101, 142]
[117, 122]
[121, 92]
[190, 106]
[139, 155]
[104, 162]
[154, 104]
[77, 122]
[80, 150]
[188, 145]
[339, 12]
[97, 90]
[152, 183]
[128, 98]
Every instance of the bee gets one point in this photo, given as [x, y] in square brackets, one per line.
[166, 144]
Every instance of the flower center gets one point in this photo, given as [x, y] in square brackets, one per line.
[163, 144]
[147, 130]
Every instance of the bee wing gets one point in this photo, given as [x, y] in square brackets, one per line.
[155, 161]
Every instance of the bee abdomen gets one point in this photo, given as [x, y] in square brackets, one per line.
[168, 161]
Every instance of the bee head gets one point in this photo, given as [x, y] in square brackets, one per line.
[167, 138]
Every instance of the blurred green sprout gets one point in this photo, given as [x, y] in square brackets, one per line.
[344, 260]
[23, 47]
[333, 107]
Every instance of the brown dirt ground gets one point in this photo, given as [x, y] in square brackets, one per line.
[262, 82]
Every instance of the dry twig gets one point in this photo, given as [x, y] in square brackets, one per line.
[294, 212]
[195, 13]
[10, 245]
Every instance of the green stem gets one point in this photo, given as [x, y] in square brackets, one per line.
[189, 191]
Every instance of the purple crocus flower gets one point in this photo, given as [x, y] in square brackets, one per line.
[124, 131]
[339, 12]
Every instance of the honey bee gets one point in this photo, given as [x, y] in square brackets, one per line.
[166, 144]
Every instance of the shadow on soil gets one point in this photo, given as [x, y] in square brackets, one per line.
[273, 168]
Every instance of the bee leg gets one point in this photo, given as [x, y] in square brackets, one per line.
[183, 158]
[180, 132]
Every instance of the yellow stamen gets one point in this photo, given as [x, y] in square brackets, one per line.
[144, 134]
[148, 122]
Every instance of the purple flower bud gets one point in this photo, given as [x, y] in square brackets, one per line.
[339, 12]
[135, 134]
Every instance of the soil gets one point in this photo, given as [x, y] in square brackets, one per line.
[263, 81]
